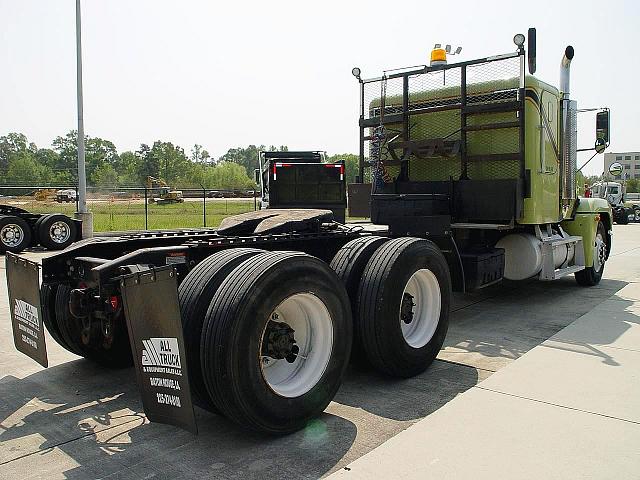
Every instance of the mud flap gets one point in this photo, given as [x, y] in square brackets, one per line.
[23, 282]
[155, 331]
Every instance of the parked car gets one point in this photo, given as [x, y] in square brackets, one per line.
[66, 196]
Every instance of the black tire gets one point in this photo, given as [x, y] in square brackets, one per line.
[48, 300]
[382, 295]
[232, 350]
[349, 263]
[623, 216]
[636, 215]
[590, 277]
[113, 353]
[10, 224]
[45, 234]
[195, 294]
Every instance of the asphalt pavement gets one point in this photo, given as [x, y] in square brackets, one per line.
[78, 420]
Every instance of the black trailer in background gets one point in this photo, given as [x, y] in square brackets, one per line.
[302, 180]
[21, 229]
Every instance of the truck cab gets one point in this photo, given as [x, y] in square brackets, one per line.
[481, 154]
[616, 194]
[302, 179]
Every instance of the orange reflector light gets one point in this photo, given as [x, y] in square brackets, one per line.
[438, 55]
[597, 218]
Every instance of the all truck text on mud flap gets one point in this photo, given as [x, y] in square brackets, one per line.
[472, 168]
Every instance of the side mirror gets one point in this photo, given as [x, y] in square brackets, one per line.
[602, 130]
[256, 176]
[616, 169]
[531, 50]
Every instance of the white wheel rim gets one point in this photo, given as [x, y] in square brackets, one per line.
[11, 235]
[424, 289]
[309, 317]
[599, 252]
[59, 232]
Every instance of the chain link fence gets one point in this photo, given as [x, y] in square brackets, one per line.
[132, 208]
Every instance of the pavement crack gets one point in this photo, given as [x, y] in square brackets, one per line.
[556, 405]
[465, 365]
[626, 251]
[89, 434]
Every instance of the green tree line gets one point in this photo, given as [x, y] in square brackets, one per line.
[23, 163]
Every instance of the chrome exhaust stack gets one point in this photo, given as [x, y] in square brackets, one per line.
[569, 109]
[565, 72]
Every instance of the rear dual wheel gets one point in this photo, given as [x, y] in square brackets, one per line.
[195, 293]
[349, 264]
[275, 341]
[15, 234]
[55, 231]
[401, 306]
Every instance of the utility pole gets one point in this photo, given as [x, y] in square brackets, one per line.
[82, 213]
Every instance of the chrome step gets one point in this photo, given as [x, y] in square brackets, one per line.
[549, 271]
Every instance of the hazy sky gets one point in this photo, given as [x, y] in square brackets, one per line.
[227, 74]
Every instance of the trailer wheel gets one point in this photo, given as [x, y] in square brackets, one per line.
[404, 298]
[591, 276]
[349, 263]
[15, 234]
[56, 231]
[86, 338]
[276, 342]
[195, 293]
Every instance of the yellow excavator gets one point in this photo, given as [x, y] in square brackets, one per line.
[44, 194]
[165, 194]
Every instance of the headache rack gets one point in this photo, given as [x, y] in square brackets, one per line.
[444, 146]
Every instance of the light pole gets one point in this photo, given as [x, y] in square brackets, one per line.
[82, 213]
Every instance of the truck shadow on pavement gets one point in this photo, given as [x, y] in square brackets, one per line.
[500, 327]
[87, 422]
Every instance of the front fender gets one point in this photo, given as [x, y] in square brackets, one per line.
[585, 223]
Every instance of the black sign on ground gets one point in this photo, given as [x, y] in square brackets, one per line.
[155, 330]
[23, 282]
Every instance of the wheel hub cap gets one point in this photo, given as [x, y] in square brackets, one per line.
[420, 307]
[279, 342]
[406, 310]
[293, 365]
[599, 252]
[59, 232]
[11, 235]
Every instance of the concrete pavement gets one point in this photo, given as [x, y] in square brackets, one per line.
[569, 408]
[77, 420]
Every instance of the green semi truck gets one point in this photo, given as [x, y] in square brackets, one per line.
[472, 168]
[482, 155]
